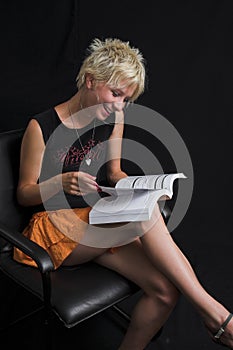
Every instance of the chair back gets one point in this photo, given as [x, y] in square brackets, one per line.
[11, 213]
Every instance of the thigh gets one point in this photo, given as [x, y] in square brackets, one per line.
[82, 254]
[131, 261]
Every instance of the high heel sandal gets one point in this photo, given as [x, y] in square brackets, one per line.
[219, 333]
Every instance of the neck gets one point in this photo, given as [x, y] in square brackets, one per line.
[79, 118]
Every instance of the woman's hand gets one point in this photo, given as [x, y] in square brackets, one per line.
[79, 183]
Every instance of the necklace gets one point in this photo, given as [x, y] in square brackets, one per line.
[87, 155]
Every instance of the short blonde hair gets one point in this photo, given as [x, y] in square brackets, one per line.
[116, 63]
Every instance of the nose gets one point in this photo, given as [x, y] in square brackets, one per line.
[119, 105]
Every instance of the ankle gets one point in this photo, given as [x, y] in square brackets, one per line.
[214, 322]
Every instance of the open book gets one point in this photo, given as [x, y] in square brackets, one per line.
[133, 198]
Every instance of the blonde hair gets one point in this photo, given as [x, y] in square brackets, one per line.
[115, 63]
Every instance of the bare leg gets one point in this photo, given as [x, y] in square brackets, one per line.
[147, 264]
[82, 254]
[157, 302]
[159, 245]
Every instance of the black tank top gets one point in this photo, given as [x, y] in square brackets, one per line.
[65, 153]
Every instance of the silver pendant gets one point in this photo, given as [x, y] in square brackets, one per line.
[88, 161]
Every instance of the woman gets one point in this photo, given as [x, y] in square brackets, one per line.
[62, 153]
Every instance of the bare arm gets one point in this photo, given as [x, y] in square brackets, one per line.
[114, 171]
[32, 150]
[28, 190]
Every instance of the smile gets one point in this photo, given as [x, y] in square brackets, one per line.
[107, 109]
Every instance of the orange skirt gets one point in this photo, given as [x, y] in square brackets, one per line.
[57, 232]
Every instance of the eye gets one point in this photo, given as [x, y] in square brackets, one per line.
[115, 93]
[127, 100]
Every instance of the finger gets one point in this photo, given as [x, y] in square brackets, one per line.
[83, 181]
[86, 175]
[74, 192]
[87, 184]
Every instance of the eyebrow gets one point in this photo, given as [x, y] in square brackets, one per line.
[119, 90]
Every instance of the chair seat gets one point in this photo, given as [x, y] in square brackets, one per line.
[77, 283]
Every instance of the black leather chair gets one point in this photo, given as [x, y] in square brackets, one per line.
[70, 295]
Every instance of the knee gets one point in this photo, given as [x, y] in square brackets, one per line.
[156, 221]
[165, 293]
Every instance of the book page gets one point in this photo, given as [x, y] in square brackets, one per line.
[114, 204]
[143, 182]
[133, 198]
[160, 181]
[115, 191]
[134, 202]
[166, 181]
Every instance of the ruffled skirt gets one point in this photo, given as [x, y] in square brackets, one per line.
[58, 232]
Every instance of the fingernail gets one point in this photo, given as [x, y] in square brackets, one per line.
[98, 188]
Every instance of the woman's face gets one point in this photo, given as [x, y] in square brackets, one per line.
[108, 99]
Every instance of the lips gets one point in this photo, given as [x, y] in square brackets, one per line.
[108, 111]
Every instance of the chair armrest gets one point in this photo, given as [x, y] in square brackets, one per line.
[166, 212]
[32, 249]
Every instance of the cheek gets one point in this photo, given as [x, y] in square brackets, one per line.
[93, 98]
[104, 96]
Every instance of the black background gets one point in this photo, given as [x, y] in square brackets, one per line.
[188, 51]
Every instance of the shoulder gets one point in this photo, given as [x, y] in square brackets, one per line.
[45, 117]
[48, 121]
[33, 135]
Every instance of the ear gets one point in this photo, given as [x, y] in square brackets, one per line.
[89, 81]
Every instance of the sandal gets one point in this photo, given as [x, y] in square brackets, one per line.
[217, 335]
